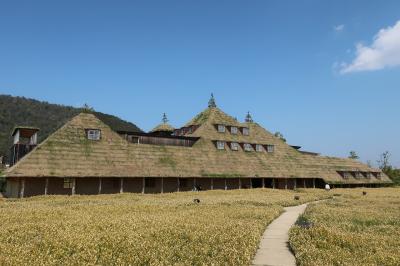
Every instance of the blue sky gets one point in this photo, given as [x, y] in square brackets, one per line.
[324, 73]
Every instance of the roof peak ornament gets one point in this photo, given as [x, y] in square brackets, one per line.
[211, 102]
[164, 119]
[248, 118]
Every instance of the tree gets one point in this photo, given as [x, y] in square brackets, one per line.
[353, 155]
[280, 136]
[388, 169]
[383, 162]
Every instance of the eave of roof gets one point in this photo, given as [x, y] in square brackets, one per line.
[23, 128]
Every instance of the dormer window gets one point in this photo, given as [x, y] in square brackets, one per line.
[378, 175]
[220, 145]
[270, 148]
[358, 175]
[346, 175]
[368, 175]
[221, 128]
[246, 131]
[234, 130]
[259, 148]
[234, 146]
[248, 147]
[93, 134]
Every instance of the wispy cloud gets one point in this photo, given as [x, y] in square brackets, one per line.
[338, 28]
[383, 52]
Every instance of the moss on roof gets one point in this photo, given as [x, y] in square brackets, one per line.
[67, 153]
[164, 127]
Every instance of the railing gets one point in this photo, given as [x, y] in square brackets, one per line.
[145, 138]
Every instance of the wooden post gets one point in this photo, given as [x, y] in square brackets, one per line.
[226, 187]
[263, 183]
[212, 184]
[179, 184]
[313, 182]
[304, 183]
[240, 183]
[295, 183]
[162, 184]
[143, 184]
[73, 186]
[285, 183]
[251, 183]
[273, 183]
[121, 185]
[46, 186]
[22, 192]
[194, 183]
[100, 184]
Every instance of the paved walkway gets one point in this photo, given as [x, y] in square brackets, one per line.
[274, 245]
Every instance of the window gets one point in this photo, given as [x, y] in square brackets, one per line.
[68, 182]
[368, 175]
[259, 148]
[246, 131]
[378, 175]
[234, 130]
[270, 148]
[93, 134]
[248, 147]
[183, 182]
[358, 175]
[234, 146]
[346, 175]
[150, 182]
[220, 145]
[221, 128]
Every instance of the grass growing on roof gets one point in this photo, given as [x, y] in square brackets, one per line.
[133, 229]
[167, 160]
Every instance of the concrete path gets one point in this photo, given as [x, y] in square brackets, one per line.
[274, 246]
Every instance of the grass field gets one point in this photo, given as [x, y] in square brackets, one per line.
[351, 230]
[224, 229]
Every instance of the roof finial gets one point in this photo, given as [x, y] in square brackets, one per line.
[164, 118]
[86, 108]
[248, 119]
[211, 102]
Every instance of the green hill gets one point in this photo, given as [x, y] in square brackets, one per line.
[48, 117]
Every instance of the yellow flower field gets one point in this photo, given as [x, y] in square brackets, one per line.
[130, 229]
[353, 229]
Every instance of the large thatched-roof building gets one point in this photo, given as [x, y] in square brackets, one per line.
[212, 151]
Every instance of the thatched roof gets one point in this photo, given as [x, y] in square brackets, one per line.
[68, 153]
[164, 127]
